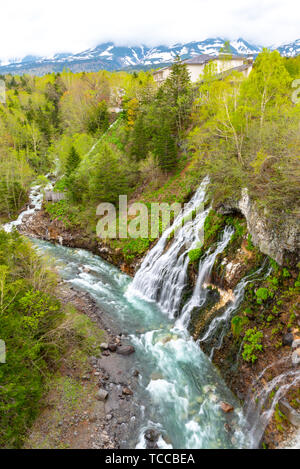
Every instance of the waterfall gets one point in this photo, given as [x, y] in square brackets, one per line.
[219, 325]
[35, 204]
[163, 273]
[258, 409]
[205, 267]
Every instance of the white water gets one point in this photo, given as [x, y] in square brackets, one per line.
[163, 273]
[35, 201]
[219, 325]
[260, 406]
[183, 399]
[205, 267]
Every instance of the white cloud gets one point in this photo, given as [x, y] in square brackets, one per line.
[43, 28]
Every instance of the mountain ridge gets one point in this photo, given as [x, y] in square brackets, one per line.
[108, 56]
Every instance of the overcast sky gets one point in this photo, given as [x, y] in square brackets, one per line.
[43, 28]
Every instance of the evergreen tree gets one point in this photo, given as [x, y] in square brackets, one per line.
[72, 162]
[139, 139]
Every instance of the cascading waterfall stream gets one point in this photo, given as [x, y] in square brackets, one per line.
[178, 386]
[258, 410]
[35, 201]
[205, 267]
[163, 273]
[35, 204]
[181, 387]
[219, 325]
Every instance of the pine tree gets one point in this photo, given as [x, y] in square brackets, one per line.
[73, 161]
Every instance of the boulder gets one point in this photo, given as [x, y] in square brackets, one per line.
[125, 349]
[104, 346]
[226, 407]
[127, 392]
[101, 395]
[151, 438]
[296, 343]
[112, 347]
[288, 339]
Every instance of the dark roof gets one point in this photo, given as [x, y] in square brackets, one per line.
[200, 59]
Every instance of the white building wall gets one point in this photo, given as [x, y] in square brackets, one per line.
[196, 70]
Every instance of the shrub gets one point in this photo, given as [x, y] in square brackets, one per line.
[252, 345]
[28, 312]
[195, 254]
[262, 294]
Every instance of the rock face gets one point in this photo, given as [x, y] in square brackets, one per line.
[291, 414]
[296, 358]
[273, 241]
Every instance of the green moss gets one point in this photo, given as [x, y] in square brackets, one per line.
[262, 294]
[237, 325]
[195, 254]
[135, 248]
[252, 345]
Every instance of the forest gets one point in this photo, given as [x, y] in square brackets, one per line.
[222, 127]
[108, 134]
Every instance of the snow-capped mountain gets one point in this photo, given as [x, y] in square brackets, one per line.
[108, 56]
[290, 50]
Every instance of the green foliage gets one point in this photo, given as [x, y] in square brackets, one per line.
[285, 273]
[237, 324]
[274, 265]
[235, 121]
[98, 121]
[195, 254]
[250, 245]
[103, 176]
[252, 345]
[61, 211]
[12, 197]
[214, 222]
[160, 122]
[28, 312]
[73, 161]
[262, 294]
[42, 181]
[135, 247]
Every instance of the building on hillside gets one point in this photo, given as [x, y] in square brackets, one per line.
[196, 66]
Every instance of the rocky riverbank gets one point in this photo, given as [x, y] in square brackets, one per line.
[92, 404]
[230, 267]
[40, 225]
